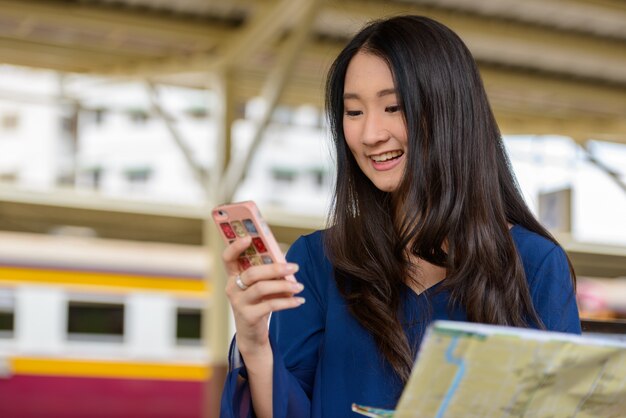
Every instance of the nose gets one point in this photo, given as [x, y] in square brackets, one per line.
[374, 130]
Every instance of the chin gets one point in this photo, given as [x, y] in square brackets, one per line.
[387, 181]
[388, 188]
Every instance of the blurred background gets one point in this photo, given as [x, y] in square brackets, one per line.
[123, 122]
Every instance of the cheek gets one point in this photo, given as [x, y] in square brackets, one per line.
[351, 134]
[401, 132]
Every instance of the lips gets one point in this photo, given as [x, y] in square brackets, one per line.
[387, 160]
[386, 156]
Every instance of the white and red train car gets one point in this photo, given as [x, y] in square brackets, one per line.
[100, 328]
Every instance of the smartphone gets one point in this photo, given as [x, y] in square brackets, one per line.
[238, 220]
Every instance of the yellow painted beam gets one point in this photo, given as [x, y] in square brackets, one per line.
[97, 281]
[35, 366]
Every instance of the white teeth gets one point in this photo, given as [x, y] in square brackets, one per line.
[386, 156]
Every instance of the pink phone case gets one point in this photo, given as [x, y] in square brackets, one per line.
[237, 220]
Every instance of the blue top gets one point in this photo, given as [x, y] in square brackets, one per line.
[324, 360]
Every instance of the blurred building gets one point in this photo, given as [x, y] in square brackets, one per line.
[122, 150]
[118, 147]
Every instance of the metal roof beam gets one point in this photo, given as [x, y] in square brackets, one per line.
[272, 91]
[57, 57]
[170, 124]
[604, 18]
[503, 41]
[263, 30]
[499, 41]
[117, 23]
[39, 212]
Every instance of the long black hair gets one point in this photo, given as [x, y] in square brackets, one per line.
[454, 204]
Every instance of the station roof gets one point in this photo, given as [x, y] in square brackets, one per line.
[554, 67]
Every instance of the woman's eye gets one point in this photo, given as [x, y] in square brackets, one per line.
[392, 109]
[353, 112]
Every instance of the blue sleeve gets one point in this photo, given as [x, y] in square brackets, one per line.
[295, 336]
[553, 293]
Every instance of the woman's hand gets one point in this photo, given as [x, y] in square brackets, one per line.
[254, 294]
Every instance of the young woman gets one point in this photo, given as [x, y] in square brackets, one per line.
[427, 223]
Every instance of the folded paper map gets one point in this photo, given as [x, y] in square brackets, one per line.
[469, 370]
[372, 412]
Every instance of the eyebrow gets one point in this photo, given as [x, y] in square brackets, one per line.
[381, 93]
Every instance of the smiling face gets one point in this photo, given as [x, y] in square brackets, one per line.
[373, 122]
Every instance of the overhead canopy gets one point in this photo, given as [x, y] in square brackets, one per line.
[110, 218]
[555, 67]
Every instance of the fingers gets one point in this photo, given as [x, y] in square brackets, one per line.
[252, 306]
[267, 272]
[262, 281]
[268, 289]
[232, 252]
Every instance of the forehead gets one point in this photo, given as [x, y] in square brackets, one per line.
[367, 72]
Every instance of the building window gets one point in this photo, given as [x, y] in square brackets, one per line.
[10, 121]
[319, 176]
[91, 177]
[283, 175]
[8, 177]
[197, 112]
[69, 125]
[188, 326]
[138, 116]
[138, 175]
[7, 313]
[95, 116]
[95, 321]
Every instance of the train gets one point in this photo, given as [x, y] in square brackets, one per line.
[102, 328]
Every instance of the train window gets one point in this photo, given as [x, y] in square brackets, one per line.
[95, 321]
[7, 313]
[188, 326]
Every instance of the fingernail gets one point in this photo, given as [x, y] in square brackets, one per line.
[292, 267]
[301, 300]
[298, 287]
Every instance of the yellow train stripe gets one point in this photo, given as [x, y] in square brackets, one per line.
[69, 278]
[108, 369]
